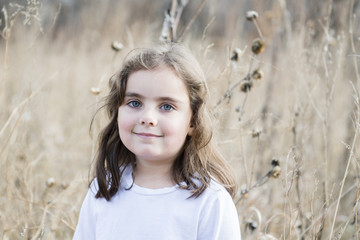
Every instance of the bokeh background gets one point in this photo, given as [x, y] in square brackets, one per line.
[292, 139]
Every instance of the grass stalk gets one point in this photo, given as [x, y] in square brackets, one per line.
[188, 25]
[343, 182]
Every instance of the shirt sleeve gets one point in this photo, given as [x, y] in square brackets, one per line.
[85, 229]
[219, 219]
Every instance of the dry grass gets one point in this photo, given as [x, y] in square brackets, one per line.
[304, 112]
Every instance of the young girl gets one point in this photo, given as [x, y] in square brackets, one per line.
[158, 172]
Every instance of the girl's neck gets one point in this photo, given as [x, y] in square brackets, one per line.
[153, 176]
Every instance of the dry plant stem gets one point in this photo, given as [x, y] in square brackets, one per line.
[244, 161]
[325, 123]
[356, 212]
[290, 210]
[7, 37]
[287, 193]
[39, 232]
[228, 93]
[340, 229]
[251, 64]
[322, 119]
[243, 105]
[6, 34]
[297, 175]
[69, 225]
[253, 160]
[351, 155]
[351, 32]
[175, 10]
[27, 175]
[94, 131]
[173, 25]
[230, 90]
[344, 178]
[16, 109]
[177, 20]
[236, 84]
[258, 29]
[258, 183]
[358, 119]
[312, 201]
[325, 127]
[6, 159]
[178, 39]
[267, 223]
[5, 64]
[316, 220]
[206, 28]
[222, 73]
[301, 214]
[258, 216]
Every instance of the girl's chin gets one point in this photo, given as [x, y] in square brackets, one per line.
[152, 157]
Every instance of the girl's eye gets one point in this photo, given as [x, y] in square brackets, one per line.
[134, 104]
[167, 107]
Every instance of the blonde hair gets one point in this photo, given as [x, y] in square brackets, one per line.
[199, 159]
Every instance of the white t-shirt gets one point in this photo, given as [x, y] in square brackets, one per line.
[166, 213]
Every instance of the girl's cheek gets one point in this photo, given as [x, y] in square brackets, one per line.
[124, 120]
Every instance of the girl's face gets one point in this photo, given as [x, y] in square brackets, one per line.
[155, 116]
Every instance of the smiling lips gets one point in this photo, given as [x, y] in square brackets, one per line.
[147, 135]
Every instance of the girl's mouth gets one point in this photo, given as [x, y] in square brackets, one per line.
[149, 135]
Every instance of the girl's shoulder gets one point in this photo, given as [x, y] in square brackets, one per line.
[218, 214]
[215, 192]
[215, 189]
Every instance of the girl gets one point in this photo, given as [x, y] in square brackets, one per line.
[158, 172]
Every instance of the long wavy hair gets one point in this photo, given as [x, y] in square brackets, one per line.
[199, 160]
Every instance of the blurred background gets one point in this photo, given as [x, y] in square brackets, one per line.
[291, 135]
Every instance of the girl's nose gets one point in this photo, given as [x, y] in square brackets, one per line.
[148, 119]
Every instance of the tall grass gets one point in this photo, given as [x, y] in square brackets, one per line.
[302, 116]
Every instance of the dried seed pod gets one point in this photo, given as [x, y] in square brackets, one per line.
[50, 182]
[276, 172]
[257, 74]
[117, 46]
[251, 15]
[275, 162]
[95, 90]
[251, 225]
[258, 46]
[256, 133]
[246, 84]
[246, 195]
[235, 55]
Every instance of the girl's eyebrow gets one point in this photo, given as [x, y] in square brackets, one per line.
[169, 99]
[131, 94]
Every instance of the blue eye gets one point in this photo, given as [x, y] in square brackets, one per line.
[134, 104]
[167, 107]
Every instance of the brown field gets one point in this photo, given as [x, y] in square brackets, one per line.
[304, 112]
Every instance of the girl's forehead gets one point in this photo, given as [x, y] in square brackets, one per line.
[161, 82]
[162, 71]
[157, 69]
